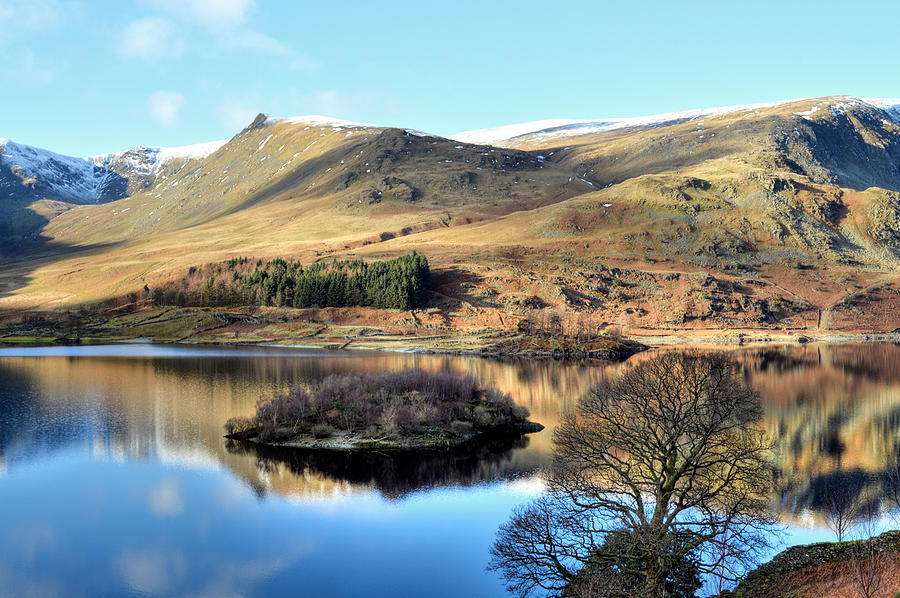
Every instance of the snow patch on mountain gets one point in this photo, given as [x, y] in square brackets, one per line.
[49, 173]
[146, 159]
[197, 151]
[337, 124]
[316, 120]
[94, 178]
[571, 128]
[486, 136]
[889, 105]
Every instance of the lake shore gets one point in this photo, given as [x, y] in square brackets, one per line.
[345, 441]
[299, 328]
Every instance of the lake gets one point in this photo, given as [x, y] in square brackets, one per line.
[115, 479]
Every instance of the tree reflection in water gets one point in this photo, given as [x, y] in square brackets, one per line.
[393, 474]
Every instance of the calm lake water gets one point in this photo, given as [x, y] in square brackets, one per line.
[115, 479]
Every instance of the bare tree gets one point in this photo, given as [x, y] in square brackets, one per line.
[841, 511]
[892, 484]
[661, 475]
[868, 563]
[722, 571]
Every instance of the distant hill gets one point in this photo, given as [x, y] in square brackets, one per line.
[773, 215]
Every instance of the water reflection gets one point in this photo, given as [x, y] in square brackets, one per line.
[392, 474]
[834, 411]
[93, 443]
[171, 409]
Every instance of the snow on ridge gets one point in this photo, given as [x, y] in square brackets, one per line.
[512, 131]
[319, 121]
[839, 105]
[315, 120]
[194, 151]
[417, 133]
[890, 105]
[569, 127]
[160, 155]
[566, 127]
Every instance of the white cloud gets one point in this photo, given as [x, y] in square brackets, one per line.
[301, 63]
[253, 40]
[150, 39]
[349, 105]
[247, 39]
[236, 114]
[28, 71]
[165, 499]
[211, 13]
[20, 18]
[164, 106]
[152, 571]
[223, 21]
[30, 14]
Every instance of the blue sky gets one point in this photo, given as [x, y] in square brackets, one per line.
[94, 76]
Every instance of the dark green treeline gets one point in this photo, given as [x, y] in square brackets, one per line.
[398, 283]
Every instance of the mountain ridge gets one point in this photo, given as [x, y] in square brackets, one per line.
[144, 161]
[493, 135]
[617, 221]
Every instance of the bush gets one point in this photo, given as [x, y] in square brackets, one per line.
[388, 404]
[236, 425]
[461, 428]
[520, 413]
[482, 416]
[322, 431]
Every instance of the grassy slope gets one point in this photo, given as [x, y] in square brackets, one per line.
[783, 228]
[826, 569]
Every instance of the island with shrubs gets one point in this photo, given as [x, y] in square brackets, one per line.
[406, 410]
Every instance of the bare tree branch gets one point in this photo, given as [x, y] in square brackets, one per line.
[658, 473]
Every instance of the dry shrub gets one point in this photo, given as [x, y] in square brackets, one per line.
[322, 431]
[236, 425]
[388, 403]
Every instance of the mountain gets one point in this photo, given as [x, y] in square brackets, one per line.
[30, 174]
[784, 214]
[557, 129]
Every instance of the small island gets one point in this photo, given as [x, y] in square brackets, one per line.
[407, 410]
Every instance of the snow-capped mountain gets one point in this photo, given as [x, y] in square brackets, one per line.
[544, 130]
[31, 173]
[812, 184]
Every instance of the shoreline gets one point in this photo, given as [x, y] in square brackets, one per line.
[727, 339]
[387, 331]
[765, 337]
[343, 441]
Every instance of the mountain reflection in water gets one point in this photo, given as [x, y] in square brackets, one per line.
[834, 411]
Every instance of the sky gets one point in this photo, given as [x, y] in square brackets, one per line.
[88, 77]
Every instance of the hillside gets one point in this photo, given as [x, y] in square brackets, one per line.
[774, 216]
